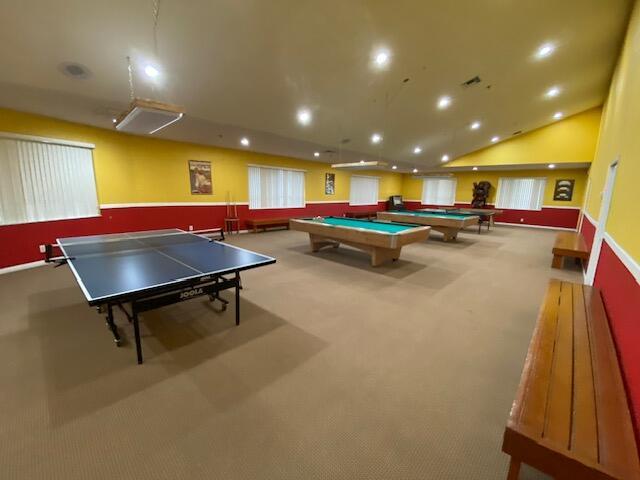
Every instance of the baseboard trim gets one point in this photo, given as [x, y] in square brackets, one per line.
[22, 266]
[524, 225]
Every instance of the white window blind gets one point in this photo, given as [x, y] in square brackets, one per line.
[271, 187]
[439, 191]
[45, 181]
[364, 190]
[520, 193]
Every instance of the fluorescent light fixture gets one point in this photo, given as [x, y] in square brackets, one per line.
[558, 115]
[304, 116]
[444, 102]
[475, 125]
[444, 158]
[148, 116]
[415, 170]
[376, 138]
[552, 92]
[360, 164]
[495, 139]
[474, 168]
[545, 50]
[381, 58]
[394, 167]
[417, 150]
[244, 141]
[151, 71]
[316, 154]
[552, 165]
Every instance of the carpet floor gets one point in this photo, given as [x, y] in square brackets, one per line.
[337, 371]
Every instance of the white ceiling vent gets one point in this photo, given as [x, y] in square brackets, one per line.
[148, 116]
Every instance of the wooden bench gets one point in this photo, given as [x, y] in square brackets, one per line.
[368, 214]
[569, 244]
[570, 418]
[265, 223]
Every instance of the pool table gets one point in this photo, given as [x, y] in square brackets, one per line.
[449, 224]
[382, 240]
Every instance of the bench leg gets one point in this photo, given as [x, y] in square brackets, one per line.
[557, 262]
[514, 470]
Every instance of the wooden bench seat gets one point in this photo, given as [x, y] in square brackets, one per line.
[570, 418]
[265, 223]
[569, 244]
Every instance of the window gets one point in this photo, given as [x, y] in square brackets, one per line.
[364, 190]
[520, 193]
[439, 191]
[271, 187]
[45, 179]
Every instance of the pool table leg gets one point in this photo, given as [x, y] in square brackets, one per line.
[317, 243]
[382, 255]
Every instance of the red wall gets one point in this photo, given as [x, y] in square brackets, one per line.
[547, 217]
[621, 296]
[588, 231]
[20, 243]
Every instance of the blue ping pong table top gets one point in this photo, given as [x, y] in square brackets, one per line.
[114, 266]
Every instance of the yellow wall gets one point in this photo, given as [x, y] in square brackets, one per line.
[572, 140]
[132, 169]
[620, 136]
[412, 187]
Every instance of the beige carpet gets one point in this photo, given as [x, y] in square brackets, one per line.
[337, 371]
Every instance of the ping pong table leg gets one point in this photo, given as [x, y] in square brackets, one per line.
[112, 325]
[238, 298]
[136, 330]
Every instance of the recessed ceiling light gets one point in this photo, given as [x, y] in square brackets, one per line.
[495, 139]
[304, 116]
[417, 150]
[415, 170]
[394, 167]
[551, 165]
[244, 141]
[474, 168]
[552, 92]
[114, 120]
[381, 58]
[444, 102]
[376, 138]
[151, 71]
[475, 125]
[316, 154]
[444, 158]
[545, 50]
[558, 115]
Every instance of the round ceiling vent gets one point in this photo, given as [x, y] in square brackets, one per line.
[74, 70]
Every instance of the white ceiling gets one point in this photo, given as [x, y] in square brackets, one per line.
[244, 67]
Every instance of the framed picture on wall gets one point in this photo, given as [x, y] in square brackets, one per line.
[200, 177]
[330, 184]
[564, 190]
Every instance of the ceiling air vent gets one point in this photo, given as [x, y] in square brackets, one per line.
[148, 116]
[75, 70]
[471, 82]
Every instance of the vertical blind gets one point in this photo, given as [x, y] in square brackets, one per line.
[439, 191]
[45, 181]
[520, 193]
[275, 188]
[364, 190]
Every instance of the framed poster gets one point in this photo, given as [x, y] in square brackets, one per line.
[200, 177]
[329, 183]
[564, 190]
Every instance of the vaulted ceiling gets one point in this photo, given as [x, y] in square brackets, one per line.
[244, 68]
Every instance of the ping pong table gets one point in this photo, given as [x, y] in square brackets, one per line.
[152, 269]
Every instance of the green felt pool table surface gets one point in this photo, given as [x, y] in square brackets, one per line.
[385, 227]
[457, 216]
